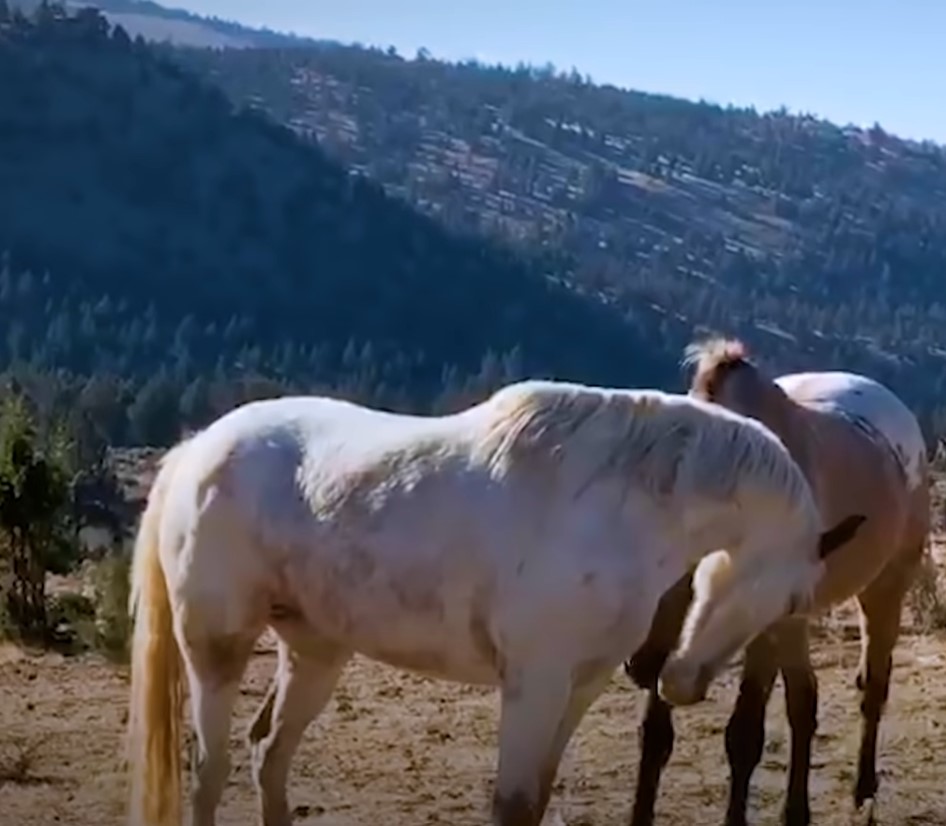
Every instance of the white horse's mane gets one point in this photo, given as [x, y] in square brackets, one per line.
[667, 443]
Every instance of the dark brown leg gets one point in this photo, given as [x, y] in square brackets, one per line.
[655, 732]
[880, 605]
[745, 733]
[801, 702]
[655, 735]
[644, 667]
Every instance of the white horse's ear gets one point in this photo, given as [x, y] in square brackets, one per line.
[840, 534]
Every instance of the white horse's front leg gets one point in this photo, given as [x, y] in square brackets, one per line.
[541, 708]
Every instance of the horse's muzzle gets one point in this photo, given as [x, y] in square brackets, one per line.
[683, 685]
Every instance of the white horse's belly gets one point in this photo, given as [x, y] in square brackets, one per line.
[861, 398]
[433, 659]
[360, 599]
[461, 626]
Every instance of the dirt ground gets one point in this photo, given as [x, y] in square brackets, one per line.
[395, 749]
[392, 748]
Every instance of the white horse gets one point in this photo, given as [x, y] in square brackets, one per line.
[522, 543]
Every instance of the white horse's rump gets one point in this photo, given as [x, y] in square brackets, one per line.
[522, 543]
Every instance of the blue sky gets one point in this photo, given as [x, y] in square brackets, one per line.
[851, 61]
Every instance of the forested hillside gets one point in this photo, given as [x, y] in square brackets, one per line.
[166, 256]
[187, 252]
[824, 246]
[165, 24]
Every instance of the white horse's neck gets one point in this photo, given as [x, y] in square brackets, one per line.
[713, 526]
[733, 526]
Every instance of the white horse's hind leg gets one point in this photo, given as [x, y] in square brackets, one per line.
[214, 671]
[306, 677]
[540, 711]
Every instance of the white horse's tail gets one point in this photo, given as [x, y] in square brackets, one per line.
[155, 711]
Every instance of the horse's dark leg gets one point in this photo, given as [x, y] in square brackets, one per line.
[745, 733]
[655, 732]
[645, 666]
[655, 735]
[880, 604]
[801, 702]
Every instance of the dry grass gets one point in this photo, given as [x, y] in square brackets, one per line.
[926, 600]
[18, 758]
[111, 581]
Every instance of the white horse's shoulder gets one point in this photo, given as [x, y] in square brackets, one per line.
[863, 399]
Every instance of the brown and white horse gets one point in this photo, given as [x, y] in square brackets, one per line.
[862, 450]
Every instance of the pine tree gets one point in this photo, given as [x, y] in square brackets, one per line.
[35, 490]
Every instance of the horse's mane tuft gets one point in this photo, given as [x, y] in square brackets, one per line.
[713, 358]
[713, 351]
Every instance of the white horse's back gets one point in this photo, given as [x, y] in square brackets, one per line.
[864, 401]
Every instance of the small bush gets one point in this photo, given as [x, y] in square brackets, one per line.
[926, 599]
[71, 621]
[97, 618]
[111, 587]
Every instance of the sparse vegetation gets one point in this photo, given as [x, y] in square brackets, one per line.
[927, 598]
[46, 495]
[91, 612]
[111, 581]
[71, 619]
[35, 529]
